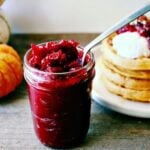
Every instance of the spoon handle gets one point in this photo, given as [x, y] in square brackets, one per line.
[115, 27]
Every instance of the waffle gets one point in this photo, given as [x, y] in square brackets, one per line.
[139, 74]
[131, 64]
[136, 95]
[124, 81]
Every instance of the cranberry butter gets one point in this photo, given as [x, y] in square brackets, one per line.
[59, 91]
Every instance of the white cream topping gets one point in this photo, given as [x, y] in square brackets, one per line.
[131, 45]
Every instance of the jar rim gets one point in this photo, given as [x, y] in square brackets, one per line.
[28, 66]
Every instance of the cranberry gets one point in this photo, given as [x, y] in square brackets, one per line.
[147, 29]
[69, 48]
[57, 56]
[35, 62]
[54, 56]
[63, 58]
[44, 63]
[126, 28]
[147, 26]
[52, 59]
[64, 43]
[74, 43]
[51, 47]
[141, 26]
[71, 55]
[37, 50]
[140, 29]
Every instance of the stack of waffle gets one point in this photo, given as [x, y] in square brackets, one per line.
[129, 78]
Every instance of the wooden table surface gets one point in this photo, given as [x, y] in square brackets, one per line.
[108, 130]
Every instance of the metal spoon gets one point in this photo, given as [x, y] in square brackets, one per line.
[115, 27]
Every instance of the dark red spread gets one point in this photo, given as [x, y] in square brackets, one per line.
[60, 103]
[140, 25]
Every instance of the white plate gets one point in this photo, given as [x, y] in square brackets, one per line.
[102, 96]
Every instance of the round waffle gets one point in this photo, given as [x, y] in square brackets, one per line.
[131, 64]
[139, 74]
[136, 95]
[124, 81]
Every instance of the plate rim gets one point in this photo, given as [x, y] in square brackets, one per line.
[125, 111]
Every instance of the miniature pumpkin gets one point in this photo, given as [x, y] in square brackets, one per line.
[1, 2]
[11, 71]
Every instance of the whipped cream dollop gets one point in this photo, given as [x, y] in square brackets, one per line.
[131, 45]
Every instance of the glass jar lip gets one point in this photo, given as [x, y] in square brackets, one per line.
[28, 66]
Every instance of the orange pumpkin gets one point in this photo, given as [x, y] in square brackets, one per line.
[11, 72]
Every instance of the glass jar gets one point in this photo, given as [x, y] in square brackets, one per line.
[60, 103]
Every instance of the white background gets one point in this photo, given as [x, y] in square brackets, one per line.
[61, 16]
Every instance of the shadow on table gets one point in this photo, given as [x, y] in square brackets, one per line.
[19, 93]
[108, 125]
